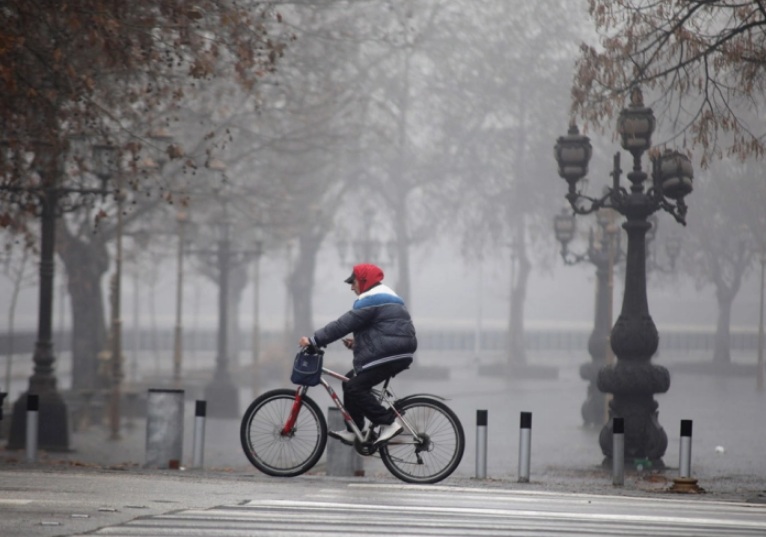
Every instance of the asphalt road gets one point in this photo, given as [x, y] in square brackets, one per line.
[71, 501]
[101, 486]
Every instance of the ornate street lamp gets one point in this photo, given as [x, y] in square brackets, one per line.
[603, 253]
[564, 227]
[632, 380]
[49, 199]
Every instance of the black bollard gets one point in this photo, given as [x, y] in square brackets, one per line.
[525, 443]
[33, 417]
[198, 448]
[618, 452]
[481, 444]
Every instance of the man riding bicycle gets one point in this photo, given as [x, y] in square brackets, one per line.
[383, 343]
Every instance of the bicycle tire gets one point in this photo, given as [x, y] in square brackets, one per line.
[274, 453]
[441, 448]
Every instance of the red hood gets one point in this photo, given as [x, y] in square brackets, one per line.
[367, 275]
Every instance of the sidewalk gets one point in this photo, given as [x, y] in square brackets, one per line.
[728, 455]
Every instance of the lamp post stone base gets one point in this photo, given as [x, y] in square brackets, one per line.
[593, 409]
[686, 485]
[53, 421]
[633, 386]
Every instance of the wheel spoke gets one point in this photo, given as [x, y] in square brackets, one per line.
[438, 453]
[276, 453]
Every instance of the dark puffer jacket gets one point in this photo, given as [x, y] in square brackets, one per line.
[382, 328]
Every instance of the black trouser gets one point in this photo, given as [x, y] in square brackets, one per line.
[358, 398]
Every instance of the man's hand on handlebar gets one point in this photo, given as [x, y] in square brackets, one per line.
[307, 346]
[305, 343]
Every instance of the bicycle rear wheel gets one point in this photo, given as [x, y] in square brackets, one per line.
[276, 452]
[438, 448]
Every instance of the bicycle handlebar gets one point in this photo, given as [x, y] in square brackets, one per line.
[312, 349]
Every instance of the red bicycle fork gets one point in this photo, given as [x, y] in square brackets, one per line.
[287, 430]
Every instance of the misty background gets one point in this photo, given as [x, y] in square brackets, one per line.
[425, 128]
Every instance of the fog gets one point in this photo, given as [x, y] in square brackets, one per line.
[447, 293]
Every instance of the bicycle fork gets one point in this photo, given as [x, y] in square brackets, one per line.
[289, 426]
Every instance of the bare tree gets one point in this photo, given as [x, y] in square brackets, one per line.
[702, 60]
[114, 72]
[722, 250]
[16, 267]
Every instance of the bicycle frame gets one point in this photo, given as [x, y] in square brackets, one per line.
[301, 391]
[284, 432]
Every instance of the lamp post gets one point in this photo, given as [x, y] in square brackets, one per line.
[603, 252]
[106, 166]
[256, 344]
[759, 374]
[632, 380]
[366, 248]
[53, 416]
[221, 392]
[181, 218]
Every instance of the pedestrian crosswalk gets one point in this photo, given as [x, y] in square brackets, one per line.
[402, 510]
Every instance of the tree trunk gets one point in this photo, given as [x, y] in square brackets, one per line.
[517, 222]
[726, 290]
[86, 263]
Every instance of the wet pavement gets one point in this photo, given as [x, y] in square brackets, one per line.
[727, 457]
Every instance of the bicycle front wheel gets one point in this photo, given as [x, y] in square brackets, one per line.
[272, 449]
[437, 449]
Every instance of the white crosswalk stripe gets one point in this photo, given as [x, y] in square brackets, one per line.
[400, 510]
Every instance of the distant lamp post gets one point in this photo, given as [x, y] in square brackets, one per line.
[182, 219]
[632, 380]
[153, 163]
[564, 227]
[759, 374]
[106, 166]
[221, 392]
[46, 197]
[365, 248]
[672, 249]
[257, 252]
[603, 252]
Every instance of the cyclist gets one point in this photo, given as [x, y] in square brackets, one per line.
[383, 343]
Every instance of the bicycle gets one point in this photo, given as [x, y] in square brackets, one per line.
[284, 433]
